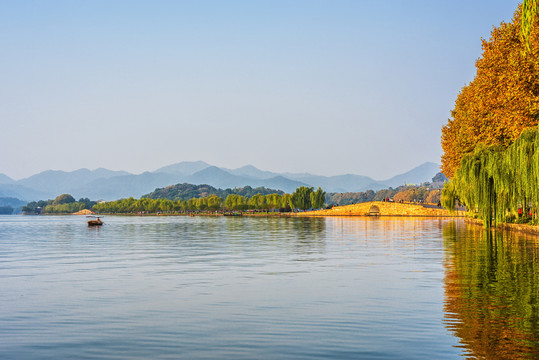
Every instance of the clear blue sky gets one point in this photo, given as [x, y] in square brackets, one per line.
[327, 87]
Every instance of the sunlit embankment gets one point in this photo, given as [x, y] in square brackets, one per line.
[382, 208]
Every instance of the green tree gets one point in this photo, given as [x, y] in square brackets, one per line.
[285, 201]
[257, 201]
[64, 199]
[497, 182]
[166, 205]
[241, 203]
[273, 201]
[301, 198]
[191, 204]
[214, 202]
[87, 203]
[231, 202]
[202, 204]
[236, 202]
[179, 205]
[318, 198]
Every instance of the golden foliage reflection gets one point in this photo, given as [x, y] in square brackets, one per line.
[491, 291]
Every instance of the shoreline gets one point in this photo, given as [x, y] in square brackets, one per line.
[367, 209]
[516, 228]
[344, 211]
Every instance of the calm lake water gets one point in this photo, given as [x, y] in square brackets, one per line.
[265, 288]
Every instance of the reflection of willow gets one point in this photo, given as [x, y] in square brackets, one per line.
[491, 292]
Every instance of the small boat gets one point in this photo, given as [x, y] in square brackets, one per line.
[94, 221]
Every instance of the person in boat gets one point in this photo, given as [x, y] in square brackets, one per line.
[95, 222]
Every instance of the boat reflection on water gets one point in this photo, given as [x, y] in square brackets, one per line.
[491, 291]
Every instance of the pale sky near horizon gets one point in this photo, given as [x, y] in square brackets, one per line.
[326, 87]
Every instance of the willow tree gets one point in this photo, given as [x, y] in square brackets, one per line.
[214, 202]
[285, 201]
[273, 201]
[496, 182]
[318, 198]
[301, 198]
[530, 8]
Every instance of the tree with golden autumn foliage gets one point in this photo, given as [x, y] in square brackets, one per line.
[503, 98]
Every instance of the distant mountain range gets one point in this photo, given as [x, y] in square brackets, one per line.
[111, 185]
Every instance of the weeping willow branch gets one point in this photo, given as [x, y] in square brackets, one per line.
[497, 182]
[529, 9]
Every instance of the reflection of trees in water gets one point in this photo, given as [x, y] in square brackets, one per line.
[491, 291]
[304, 233]
[166, 228]
[308, 230]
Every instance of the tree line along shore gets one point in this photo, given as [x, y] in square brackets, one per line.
[304, 198]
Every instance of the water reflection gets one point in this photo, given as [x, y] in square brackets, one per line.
[215, 287]
[217, 234]
[491, 291]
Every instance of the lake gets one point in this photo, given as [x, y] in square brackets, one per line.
[265, 288]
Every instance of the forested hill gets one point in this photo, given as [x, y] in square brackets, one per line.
[188, 191]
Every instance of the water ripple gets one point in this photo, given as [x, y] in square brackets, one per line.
[241, 288]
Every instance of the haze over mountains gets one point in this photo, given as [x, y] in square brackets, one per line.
[112, 185]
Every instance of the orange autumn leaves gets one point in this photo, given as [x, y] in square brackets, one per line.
[501, 101]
